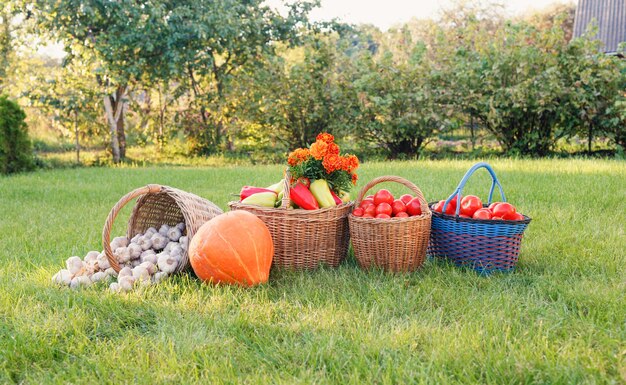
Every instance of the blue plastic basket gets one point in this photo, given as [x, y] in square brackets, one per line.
[484, 245]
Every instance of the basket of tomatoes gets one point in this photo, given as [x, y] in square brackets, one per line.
[390, 233]
[484, 236]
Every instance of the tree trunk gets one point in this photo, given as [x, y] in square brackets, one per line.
[115, 146]
[472, 136]
[76, 135]
[121, 133]
[114, 108]
[589, 139]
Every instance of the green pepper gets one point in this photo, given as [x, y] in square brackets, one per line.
[277, 187]
[321, 191]
[265, 199]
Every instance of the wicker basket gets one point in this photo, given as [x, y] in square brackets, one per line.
[484, 245]
[304, 239]
[397, 244]
[158, 205]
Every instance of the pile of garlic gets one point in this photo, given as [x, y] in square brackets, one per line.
[148, 258]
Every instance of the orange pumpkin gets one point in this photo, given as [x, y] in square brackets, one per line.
[234, 247]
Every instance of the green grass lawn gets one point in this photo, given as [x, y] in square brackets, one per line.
[560, 318]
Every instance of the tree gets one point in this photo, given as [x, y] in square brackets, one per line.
[214, 41]
[70, 98]
[297, 99]
[399, 101]
[127, 39]
[15, 147]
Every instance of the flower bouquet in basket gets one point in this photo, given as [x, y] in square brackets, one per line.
[317, 184]
[319, 176]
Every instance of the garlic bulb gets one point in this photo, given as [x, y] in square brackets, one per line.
[134, 250]
[122, 254]
[174, 234]
[135, 263]
[166, 263]
[115, 287]
[126, 271]
[148, 256]
[63, 277]
[119, 242]
[184, 242]
[158, 241]
[103, 262]
[181, 226]
[151, 267]
[177, 252]
[91, 256]
[140, 273]
[126, 283]
[150, 232]
[81, 280]
[164, 229]
[135, 239]
[74, 265]
[145, 242]
[159, 276]
[111, 272]
[98, 276]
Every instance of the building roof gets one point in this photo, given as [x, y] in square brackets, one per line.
[609, 16]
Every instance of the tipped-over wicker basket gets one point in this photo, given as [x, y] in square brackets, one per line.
[396, 244]
[304, 239]
[158, 205]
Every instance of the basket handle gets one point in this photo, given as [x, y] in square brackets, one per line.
[106, 231]
[391, 178]
[287, 190]
[468, 174]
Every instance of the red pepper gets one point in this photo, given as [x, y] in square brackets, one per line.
[338, 200]
[246, 191]
[301, 196]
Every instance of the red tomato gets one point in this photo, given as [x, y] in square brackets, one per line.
[482, 214]
[366, 202]
[451, 209]
[494, 204]
[371, 210]
[402, 214]
[398, 206]
[517, 217]
[454, 200]
[496, 218]
[504, 210]
[383, 216]
[460, 215]
[383, 196]
[438, 207]
[414, 207]
[469, 204]
[384, 208]
[366, 215]
[358, 212]
[406, 198]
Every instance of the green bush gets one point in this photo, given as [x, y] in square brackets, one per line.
[15, 147]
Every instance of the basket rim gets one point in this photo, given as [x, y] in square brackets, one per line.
[392, 220]
[291, 211]
[447, 217]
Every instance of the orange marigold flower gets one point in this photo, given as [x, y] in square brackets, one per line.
[354, 179]
[333, 148]
[331, 162]
[319, 149]
[325, 137]
[298, 156]
[350, 163]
